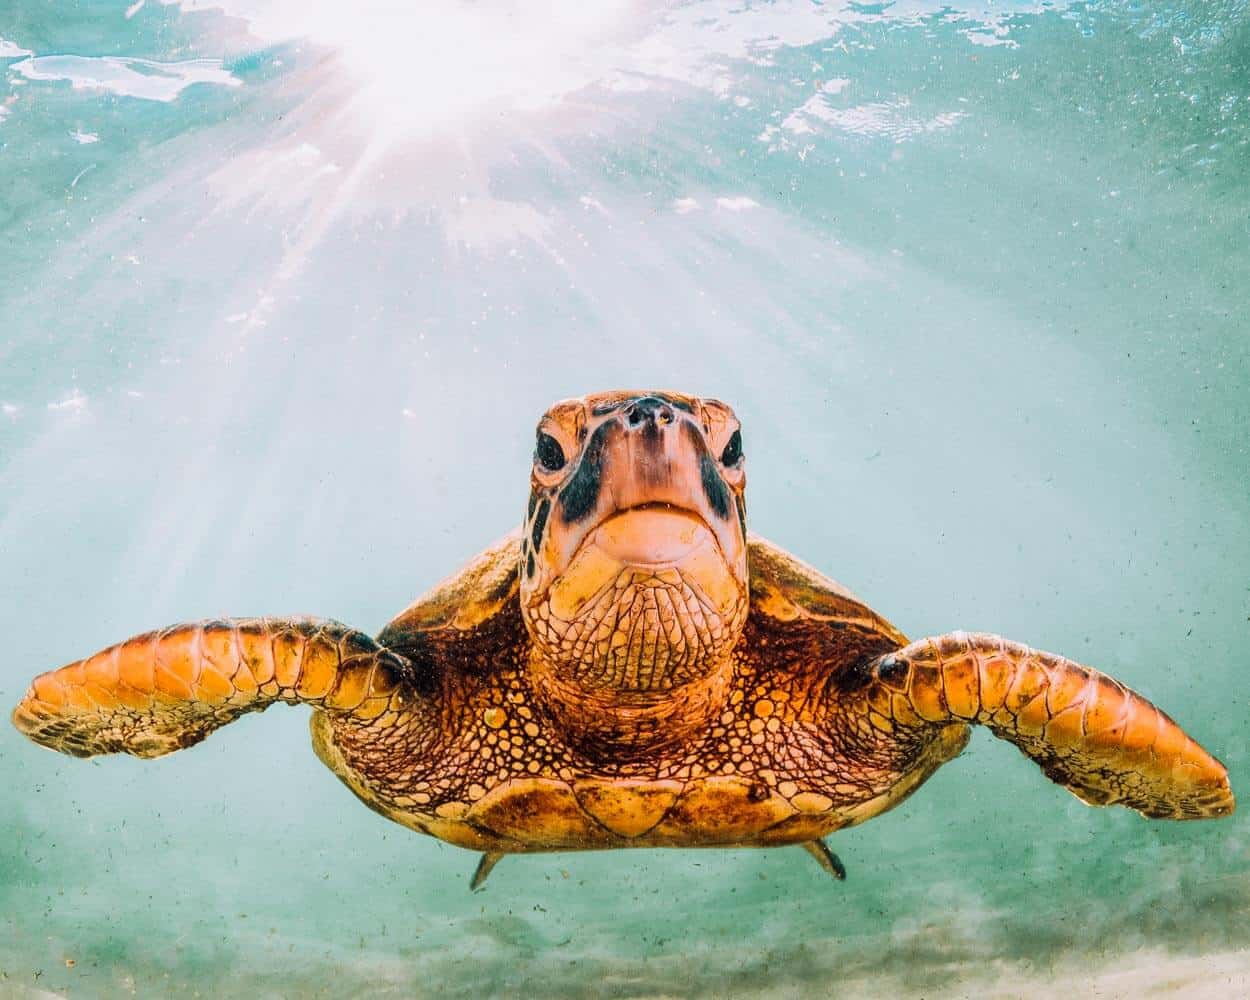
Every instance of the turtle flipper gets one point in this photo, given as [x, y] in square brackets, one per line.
[827, 860]
[1104, 743]
[484, 867]
[166, 690]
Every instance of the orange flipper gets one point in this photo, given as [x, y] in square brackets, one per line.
[162, 691]
[1087, 732]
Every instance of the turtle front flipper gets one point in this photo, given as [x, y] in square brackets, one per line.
[1087, 732]
[166, 690]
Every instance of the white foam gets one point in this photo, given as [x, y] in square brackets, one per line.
[141, 78]
[998, 36]
[879, 119]
[737, 203]
[10, 50]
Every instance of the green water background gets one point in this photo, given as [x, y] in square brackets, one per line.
[987, 339]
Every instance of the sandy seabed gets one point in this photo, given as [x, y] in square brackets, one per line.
[1144, 974]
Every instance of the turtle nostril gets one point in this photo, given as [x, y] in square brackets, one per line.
[648, 410]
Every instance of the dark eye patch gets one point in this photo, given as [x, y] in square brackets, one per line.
[540, 524]
[713, 487]
[733, 450]
[548, 453]
[579, 497]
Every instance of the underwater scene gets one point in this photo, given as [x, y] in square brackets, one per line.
[288, 284]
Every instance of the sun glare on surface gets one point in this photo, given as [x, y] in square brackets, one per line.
[426, 67]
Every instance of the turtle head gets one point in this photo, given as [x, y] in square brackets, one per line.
[633, 565]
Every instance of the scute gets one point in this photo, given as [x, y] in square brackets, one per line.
[541, 813]
[785, 589]
[476, 593]
[629, 808]
[723, 810]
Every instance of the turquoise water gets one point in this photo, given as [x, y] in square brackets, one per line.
[285, 289]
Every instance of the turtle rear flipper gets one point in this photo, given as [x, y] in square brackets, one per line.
[486, 865]
[1101, 741]
[166, 690]
[825, 857]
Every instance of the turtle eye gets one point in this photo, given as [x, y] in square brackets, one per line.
[548, 453]
[732, 454]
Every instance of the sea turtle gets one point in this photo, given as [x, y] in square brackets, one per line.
[632, 669]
